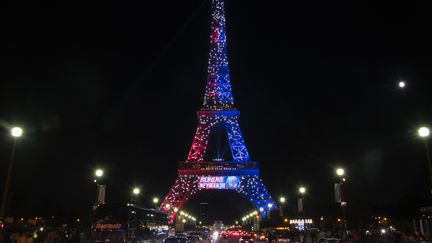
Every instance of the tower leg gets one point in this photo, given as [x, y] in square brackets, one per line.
[183, 188]
[236, 141]
[254, 189]
[199, 143]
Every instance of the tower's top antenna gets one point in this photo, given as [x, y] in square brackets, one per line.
[218, 95]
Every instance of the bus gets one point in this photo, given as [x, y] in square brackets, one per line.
[128, 223]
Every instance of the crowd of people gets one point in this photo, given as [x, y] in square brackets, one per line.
[41, 235]
[354, 236]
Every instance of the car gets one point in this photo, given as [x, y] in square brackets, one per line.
[176, 239]
[283, 239]
[194, 239]
[261, 237]
[329, 240]
[246, 239]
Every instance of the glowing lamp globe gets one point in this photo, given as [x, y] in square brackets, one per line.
[155, 200]
[423, 132]
[136, 191]
[282, 199]
[302, 190]
[99, 173]
[340, 172]
[402, 84]
[16, 132]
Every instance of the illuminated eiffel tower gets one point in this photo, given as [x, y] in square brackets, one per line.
[218, 111]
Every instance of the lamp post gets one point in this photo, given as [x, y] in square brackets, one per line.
[282, 201]
[16, 132]
[136, 191]
[156, 202]
[340, 172]
[300, 207]
[100, 188]
[424, 133]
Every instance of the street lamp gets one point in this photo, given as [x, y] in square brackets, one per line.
[281, 203]
[402, 84]
[340, 172]
[100, 188]
[16, 132]
[136, 191]
[300, 207]
[155, 200]
[424, 133]
[302, 190]
[282, 200]
[99, 173]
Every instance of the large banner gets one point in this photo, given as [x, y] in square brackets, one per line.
[218, 183]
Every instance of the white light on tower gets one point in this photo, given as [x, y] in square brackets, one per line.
[16, 132]
[423, 132]
[340, 172]
[402, 84]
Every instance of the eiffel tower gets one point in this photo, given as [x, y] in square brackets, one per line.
[218, 111]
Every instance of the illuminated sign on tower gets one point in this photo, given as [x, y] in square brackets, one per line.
[218, 183]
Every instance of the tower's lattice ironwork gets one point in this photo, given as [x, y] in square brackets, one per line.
[241, 174]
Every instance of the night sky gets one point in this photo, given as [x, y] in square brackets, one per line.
[117, 84]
